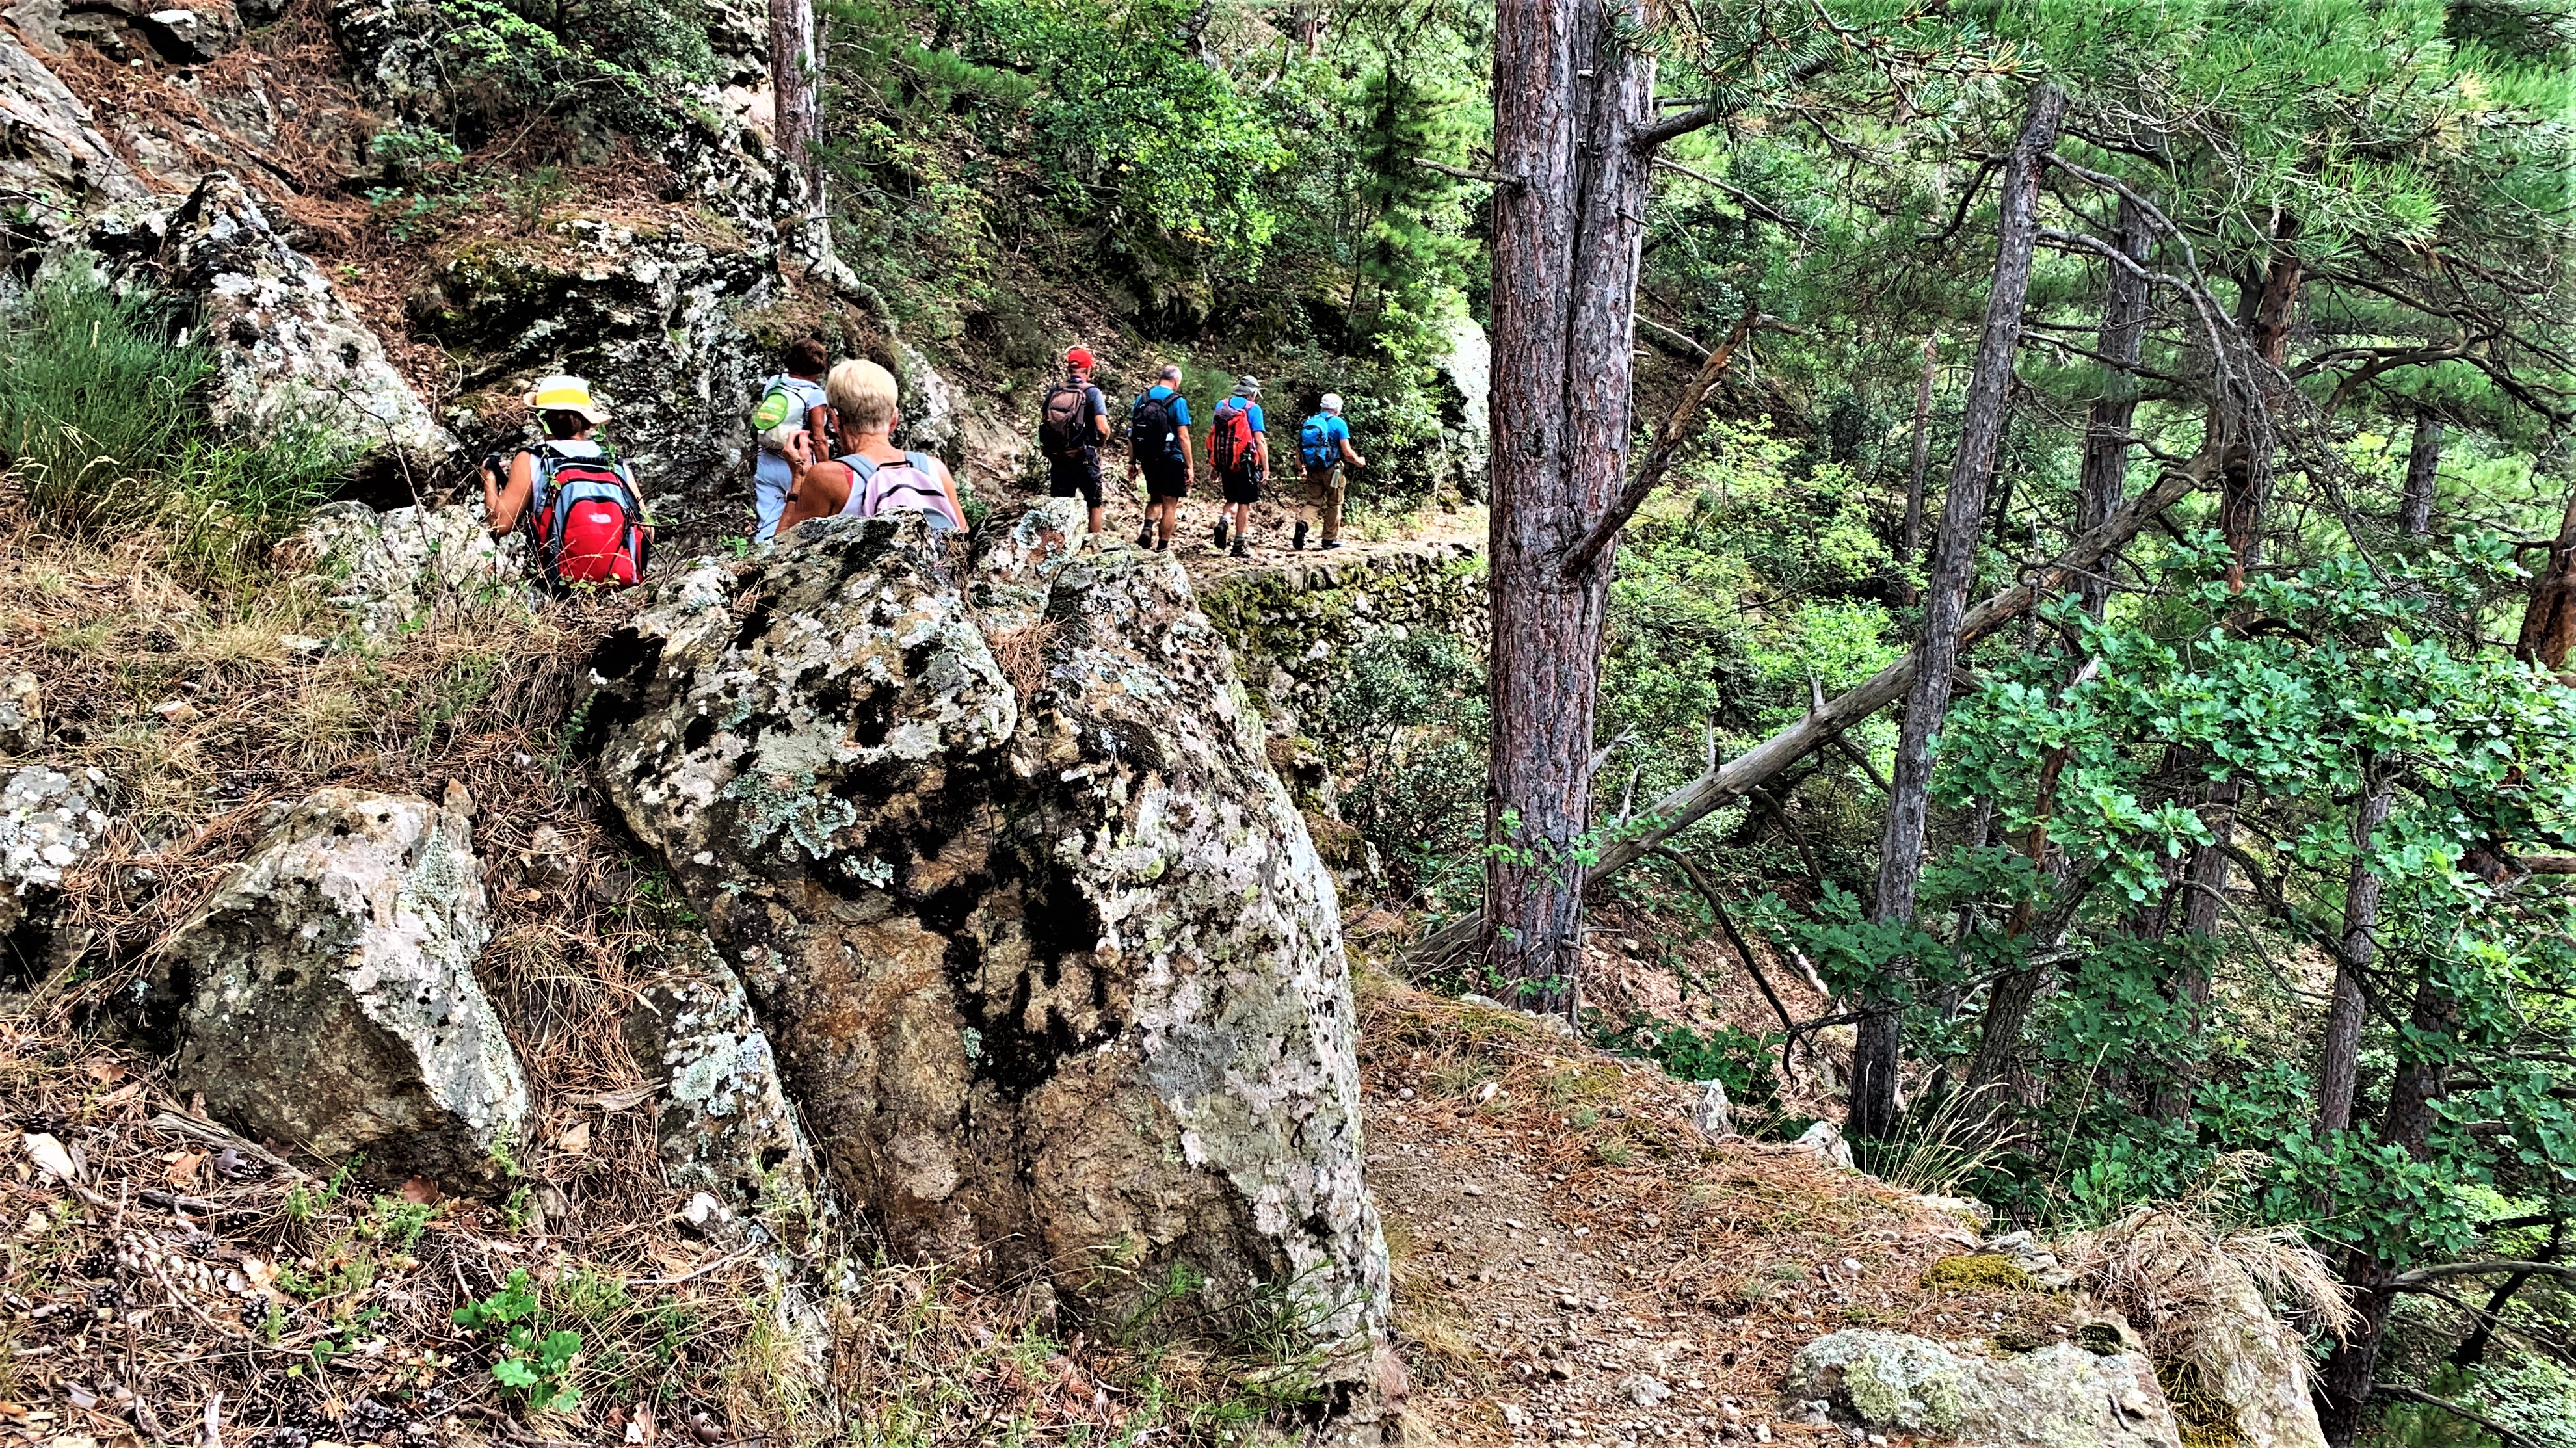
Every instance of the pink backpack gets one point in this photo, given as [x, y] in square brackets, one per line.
[877, 487]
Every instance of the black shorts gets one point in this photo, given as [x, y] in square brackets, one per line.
[1067, 477]
[1241, 487]
[1166, 480]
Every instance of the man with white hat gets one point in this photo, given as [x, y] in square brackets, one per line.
[1324, 445]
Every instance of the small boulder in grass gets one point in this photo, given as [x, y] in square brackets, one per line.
[22, 714]
[325, 994]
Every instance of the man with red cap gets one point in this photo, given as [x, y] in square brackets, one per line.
[1072, 424]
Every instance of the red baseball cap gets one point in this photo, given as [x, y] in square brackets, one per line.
[1078, 357]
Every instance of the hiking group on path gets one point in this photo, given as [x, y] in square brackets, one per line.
[825, 447]
[1073, 424]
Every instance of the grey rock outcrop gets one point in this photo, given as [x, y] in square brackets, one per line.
[289, 352]
[1296, 625]
[133, 30]
[651, 321]
[324, 996]
[1042, 943]
[724, 1122]
[401, 567]
[22, 714]
[1466, 369]
[2061, 1396]
[50, 821]
[55, 159]
[2208, 1320]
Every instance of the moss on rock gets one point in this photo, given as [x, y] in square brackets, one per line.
[1979, 1272]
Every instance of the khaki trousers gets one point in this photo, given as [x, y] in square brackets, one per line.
[1323, 501]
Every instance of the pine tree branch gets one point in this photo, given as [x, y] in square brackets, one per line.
[1647, 138]
[2439, 1270]
[1469, 173]
[1746, 199]
[2510, 1438]
[1587, 550]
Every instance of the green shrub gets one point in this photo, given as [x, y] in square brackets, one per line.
[1735, 1058]
[104, 426]
[1406, 730]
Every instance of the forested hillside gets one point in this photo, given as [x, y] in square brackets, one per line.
[1933, 800]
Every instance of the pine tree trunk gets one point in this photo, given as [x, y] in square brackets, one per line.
[1567, 102]
[1954, 555]
[1306, 22]
[2423, 471]
[2105, 471]
[2339, 1068]
[2414, 1098]
[2344, 1382]
[2245, 485]
[794, 69]
[2549, 619]
[1909, 547]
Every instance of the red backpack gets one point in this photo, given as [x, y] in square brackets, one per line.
[1230, 438]
[587, 522]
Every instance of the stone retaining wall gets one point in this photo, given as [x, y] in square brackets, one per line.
[1292, 624]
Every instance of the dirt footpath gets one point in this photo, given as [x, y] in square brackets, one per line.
[1576, 1262]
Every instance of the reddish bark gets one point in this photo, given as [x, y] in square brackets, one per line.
[1569, 99]
[2549, 619]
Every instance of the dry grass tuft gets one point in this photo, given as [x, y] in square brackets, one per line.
[1021, 654]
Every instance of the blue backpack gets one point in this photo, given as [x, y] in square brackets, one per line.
[1319, 441]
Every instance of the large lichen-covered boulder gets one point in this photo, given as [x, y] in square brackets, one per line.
[650, 315]
[2061, 1396]
[724, 1123]
[1052, 966]
[324, 996]
[289, 352]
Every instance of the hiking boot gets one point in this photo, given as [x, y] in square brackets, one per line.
[1220, 532]
[1297, 544]
[1162, 545]
[1241, 548]
[1331, 543]
[1145, 535]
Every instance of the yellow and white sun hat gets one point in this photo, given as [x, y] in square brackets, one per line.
[562, 393]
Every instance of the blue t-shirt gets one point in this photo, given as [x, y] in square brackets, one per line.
[1180, 416]
[1321, 439]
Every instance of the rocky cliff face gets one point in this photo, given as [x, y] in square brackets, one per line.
[1049, 958]
[289, 352]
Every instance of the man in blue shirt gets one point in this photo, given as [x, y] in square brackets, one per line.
[1239, 455]
[1158, 445]
[1324, 445]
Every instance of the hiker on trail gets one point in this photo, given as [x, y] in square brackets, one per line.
[871, 475]
[790, 403]
[576, 499]
[1324, 444]
[1158, 444]
[1239, 455]
[1072, 424]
